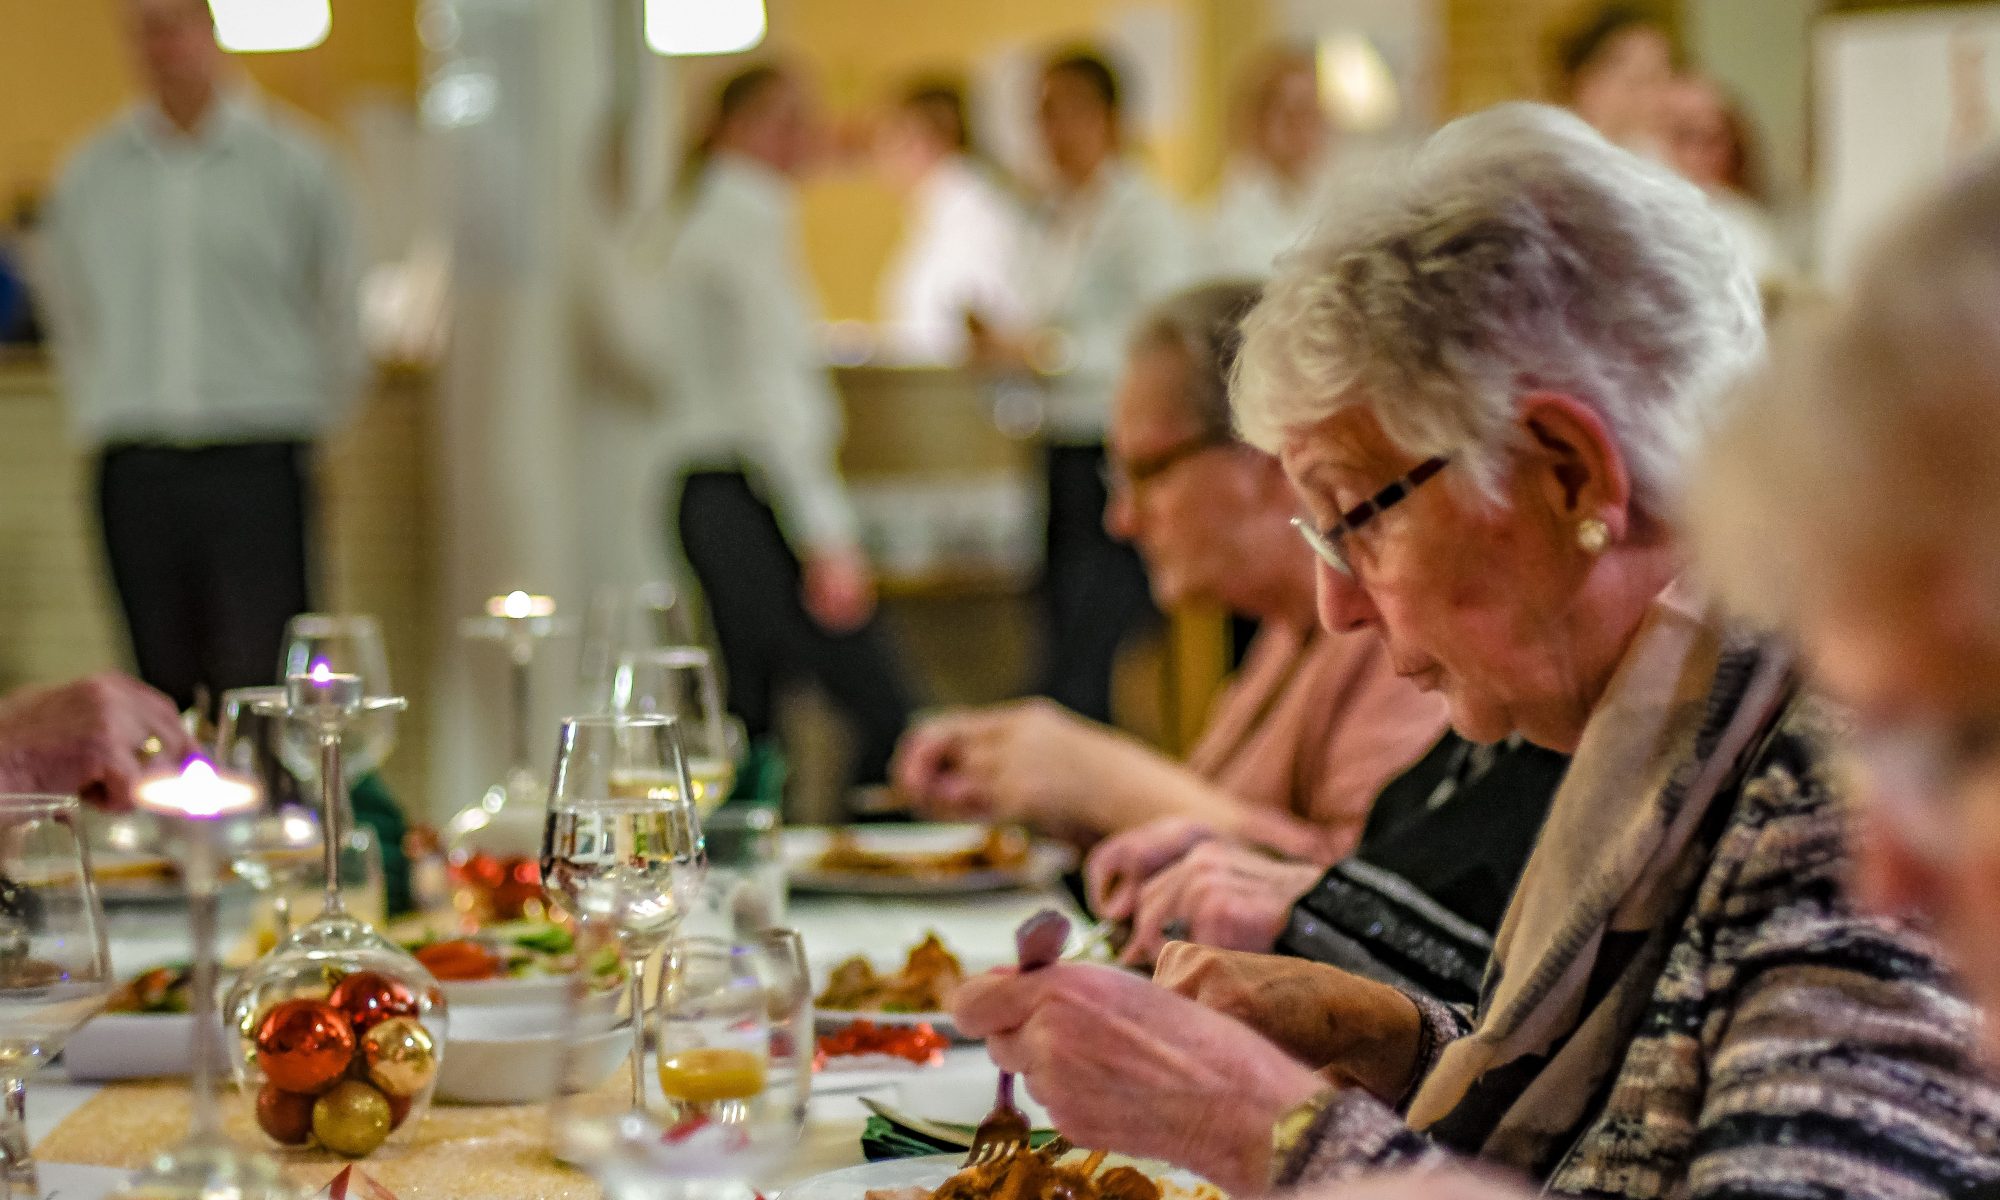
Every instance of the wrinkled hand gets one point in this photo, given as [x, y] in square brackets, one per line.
[1123, 863]
[85, 738]
[1359, 1031]
[1029, 761]
[1124, 1065]
[838, 590]
[1225, 894]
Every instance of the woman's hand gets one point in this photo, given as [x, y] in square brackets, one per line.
[1124, 1065]
[1031, 761]
[838, 590]
[1218, 894]
[1123, 863]
[95, 738]
[1359, 1031]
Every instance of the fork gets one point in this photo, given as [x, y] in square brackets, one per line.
[1004, 1132]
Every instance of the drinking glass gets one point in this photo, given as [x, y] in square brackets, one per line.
[349, 644]
[743, 891]
[680, 681]
[623, 618]
[726, 1100]
[619, 840]
[55, 970]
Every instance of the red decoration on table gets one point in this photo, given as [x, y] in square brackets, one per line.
[286, 1116]
[369, 998]
[353, 1183]
[304, 1045]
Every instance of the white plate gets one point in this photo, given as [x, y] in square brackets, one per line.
[961, 1093]
[851, 1183]
[518, 990]
[803, 846]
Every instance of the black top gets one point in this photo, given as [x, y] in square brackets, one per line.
[1437, 863]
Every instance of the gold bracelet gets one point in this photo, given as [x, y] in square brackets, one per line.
[1291, 1128]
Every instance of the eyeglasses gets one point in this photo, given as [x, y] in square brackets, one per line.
[1130, 477]
[1327, 543]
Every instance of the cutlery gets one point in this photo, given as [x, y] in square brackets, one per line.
[1004, 1132]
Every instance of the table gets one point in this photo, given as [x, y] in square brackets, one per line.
[979, 928]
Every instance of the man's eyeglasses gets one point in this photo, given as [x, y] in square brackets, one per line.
[1129, 477]
[1328, 543]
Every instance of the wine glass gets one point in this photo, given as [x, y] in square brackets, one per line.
[622, 836]
[680, 681]
[726, 1101]
[348, 644]
[55, 970]
[623, 618]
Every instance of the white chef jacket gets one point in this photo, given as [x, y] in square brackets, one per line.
[749, 379]
[960, 255]
[1097, 258]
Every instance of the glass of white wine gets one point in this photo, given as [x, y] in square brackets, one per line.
[681, 681]
[620, 840]
[55, 969]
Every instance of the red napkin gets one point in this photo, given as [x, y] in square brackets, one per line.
[351, 1184]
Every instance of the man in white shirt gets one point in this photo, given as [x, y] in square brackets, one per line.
[203, 307]
[754, 431]
[959, 257]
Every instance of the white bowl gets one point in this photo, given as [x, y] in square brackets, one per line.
[525, 991]
[509, 1054]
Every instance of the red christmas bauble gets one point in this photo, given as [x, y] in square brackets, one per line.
[304, 1045]
[286, 1116]
[370, 998]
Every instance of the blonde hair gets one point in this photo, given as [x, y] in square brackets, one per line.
[1875, 429]
[1518, 250]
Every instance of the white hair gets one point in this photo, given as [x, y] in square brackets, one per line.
[1517, 250]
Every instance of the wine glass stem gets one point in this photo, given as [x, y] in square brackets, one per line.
[281, 912]
[17, 1168]
[333, 789]
[636, 989]
[201, 912]
[519, 736]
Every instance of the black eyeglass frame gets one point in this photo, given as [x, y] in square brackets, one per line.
[1327, 542]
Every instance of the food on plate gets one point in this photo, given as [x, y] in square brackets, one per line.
[160, 990]
[461, 960]
[1002, 849]
[919, 1044]
[507, 950]
[925, 984]
[1035, 1175]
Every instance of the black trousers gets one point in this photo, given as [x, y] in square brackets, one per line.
[1094, 587]
[207, 548]
[751, 579]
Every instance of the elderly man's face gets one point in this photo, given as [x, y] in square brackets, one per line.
[1475, 600]
[1911, 654]
[1182, 497]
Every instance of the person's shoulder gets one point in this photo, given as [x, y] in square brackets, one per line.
[288, 136]
[102, 147]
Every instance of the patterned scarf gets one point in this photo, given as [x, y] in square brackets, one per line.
[1628, 838]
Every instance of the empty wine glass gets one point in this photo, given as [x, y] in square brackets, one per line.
[55, 970]
[623, 618]
[680, 681]
[619, 838]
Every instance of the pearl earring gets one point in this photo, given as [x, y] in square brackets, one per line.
[1593, 535]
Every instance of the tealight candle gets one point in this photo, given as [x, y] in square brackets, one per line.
[322, 693]
[520, 606]
[198, 793]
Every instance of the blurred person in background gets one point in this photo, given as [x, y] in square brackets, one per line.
[203, 308]
[1297, 746]
[1105, 243]
[1708, 139]
[962, 237]
[1853, 500]
[754, 429]
[1275, 182]
[1614, 70]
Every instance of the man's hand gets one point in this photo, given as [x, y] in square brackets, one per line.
[95, 738]
[838, 590]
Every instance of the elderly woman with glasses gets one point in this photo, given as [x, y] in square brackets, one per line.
[1484, 382]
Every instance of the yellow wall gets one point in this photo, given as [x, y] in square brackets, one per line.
[863, 51]
[63, 69]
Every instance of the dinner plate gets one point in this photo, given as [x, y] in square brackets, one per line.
[803, 846]
[852, 1183]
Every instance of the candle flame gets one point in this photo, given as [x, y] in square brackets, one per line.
[320, 672]
[517, 604]
[199, 791]
[198, 771]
